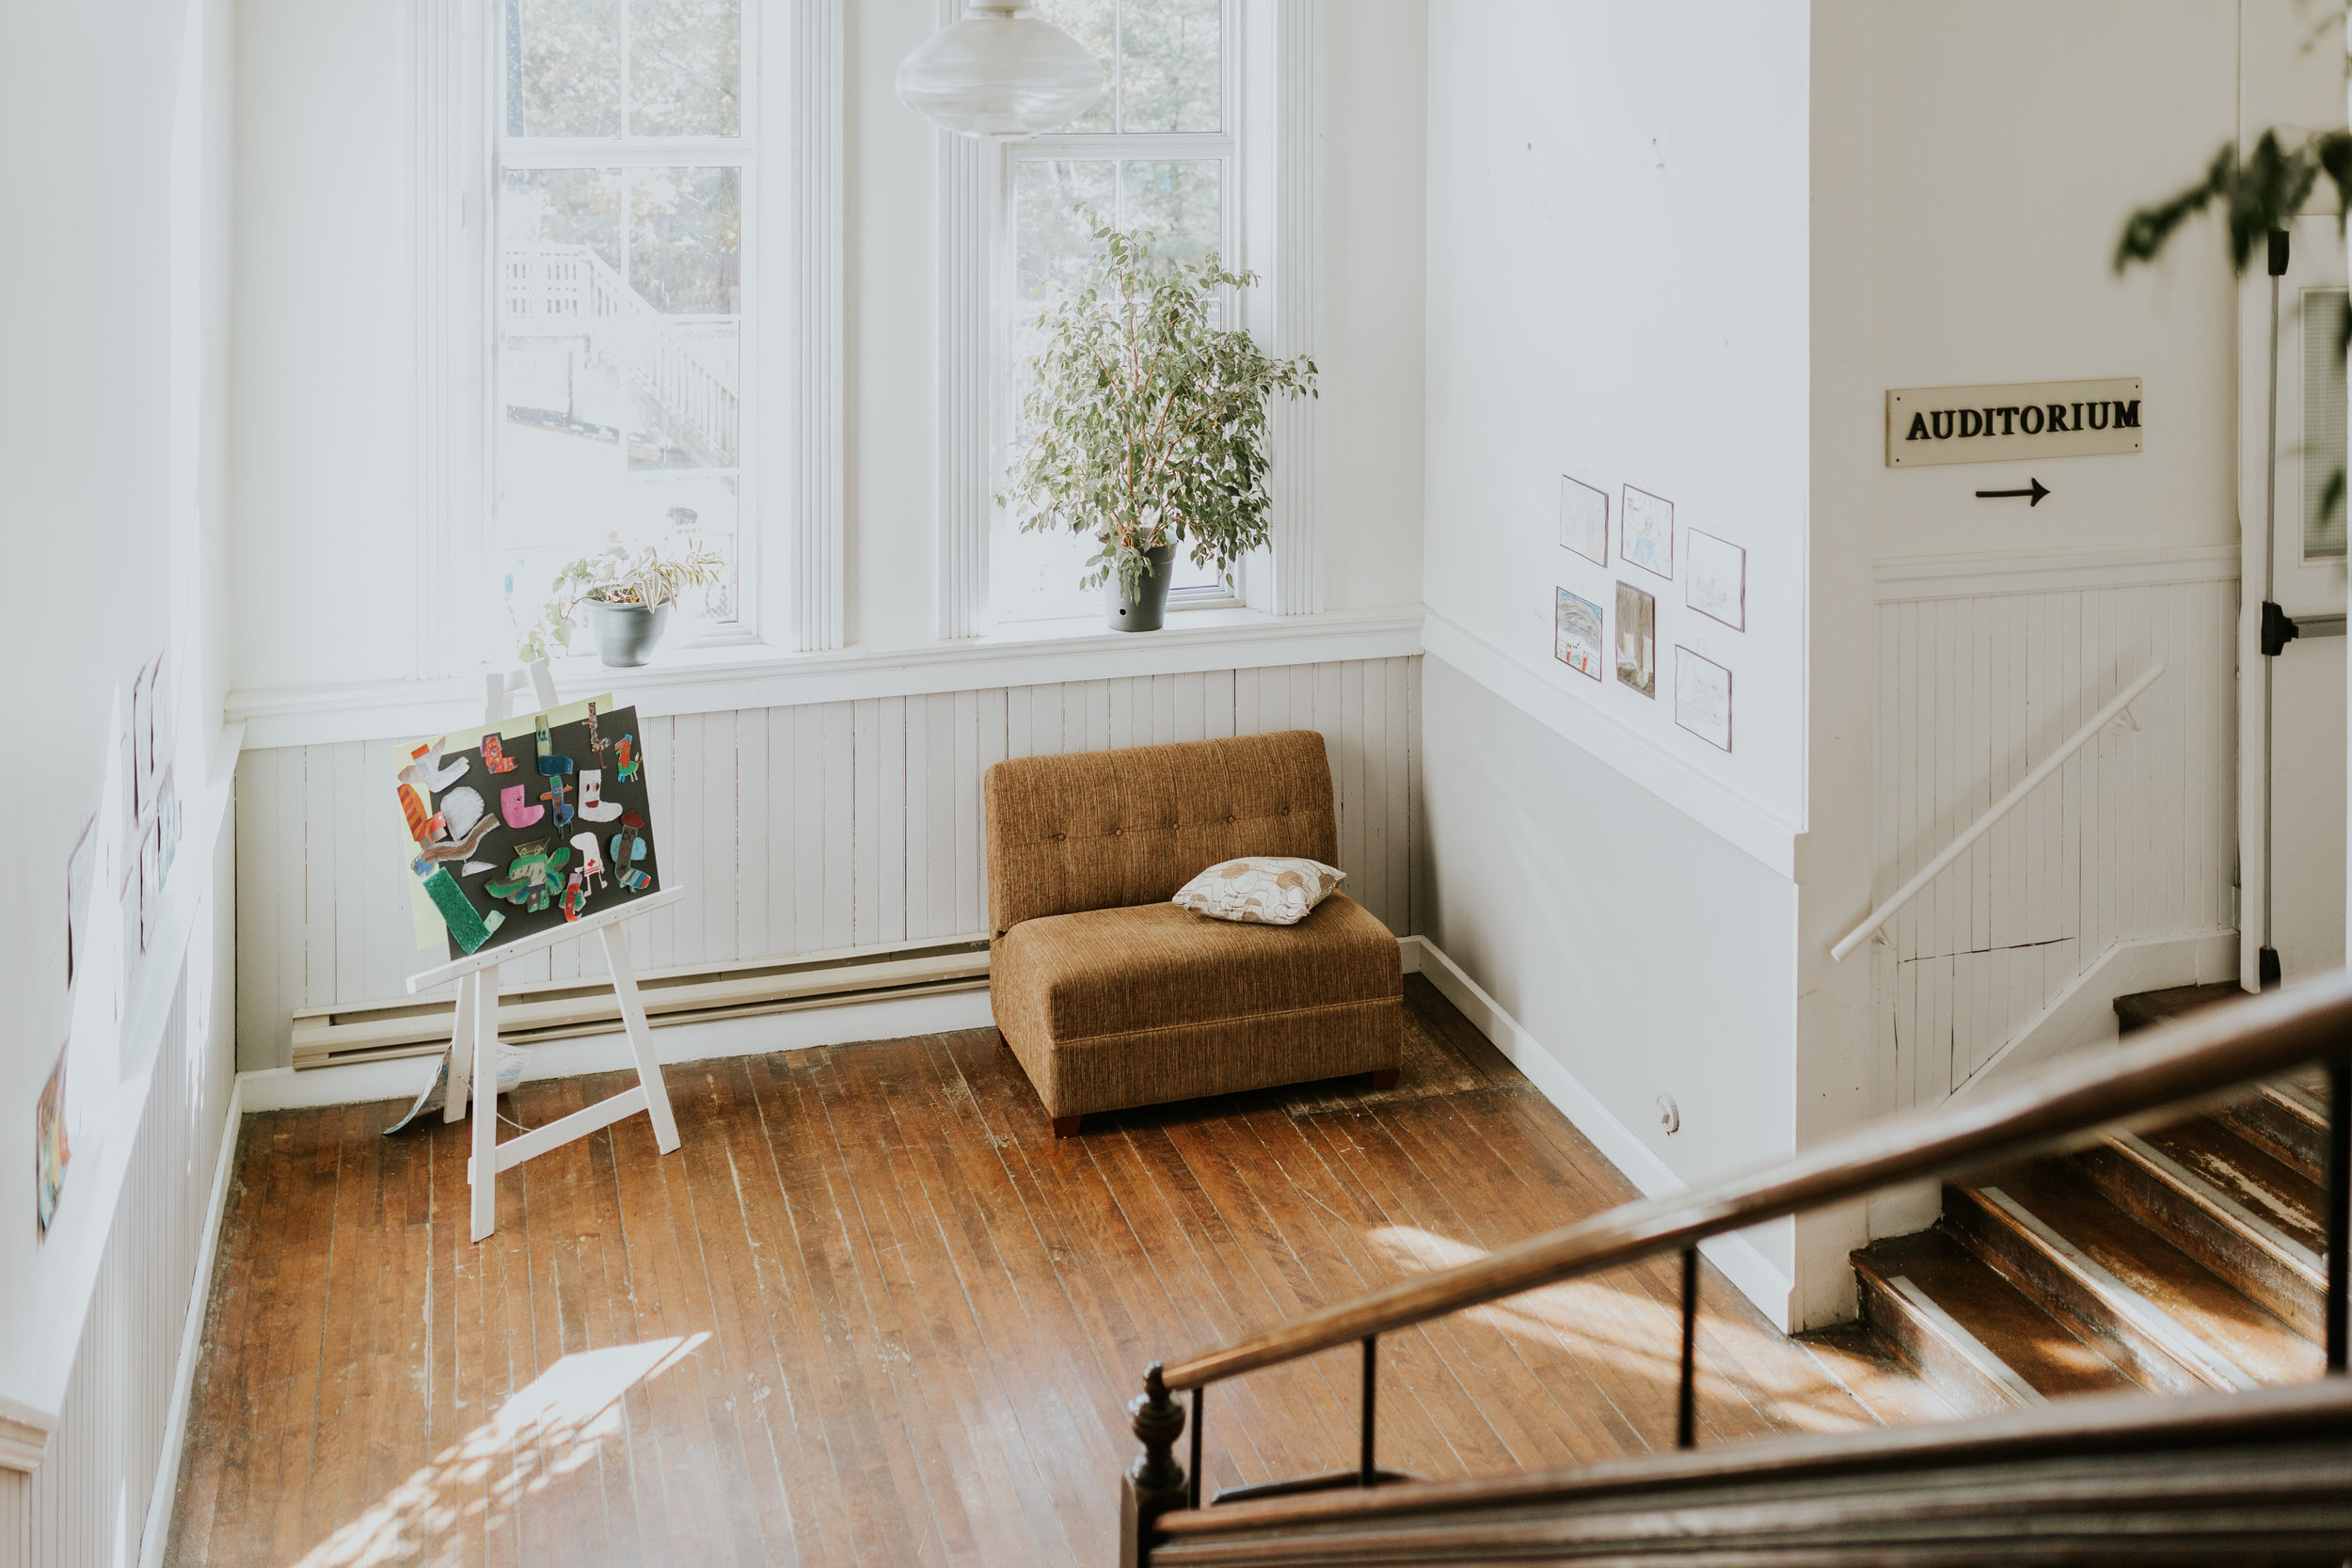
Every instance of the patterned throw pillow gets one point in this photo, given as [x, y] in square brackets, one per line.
[1260, 890]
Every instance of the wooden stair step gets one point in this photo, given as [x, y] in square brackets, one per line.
[2292, 1201]
[1976, 1340]
[2148, 1008]
[2288, 1121]
[2238, 1240]
[1880, 1381]
[2173, 1324]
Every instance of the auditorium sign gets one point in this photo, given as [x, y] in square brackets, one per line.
[1988, 424]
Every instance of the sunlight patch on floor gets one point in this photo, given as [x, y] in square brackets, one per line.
[551, 1426]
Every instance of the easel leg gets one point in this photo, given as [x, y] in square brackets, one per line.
[640, 1039]
[485, 1102]
[460, 1053]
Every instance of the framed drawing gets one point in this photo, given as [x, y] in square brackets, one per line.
[1703, 698]
[1637, 639]
[1584, 520]
[1715, 578]
[1648, 527]
[1576, 640]
[516, 828]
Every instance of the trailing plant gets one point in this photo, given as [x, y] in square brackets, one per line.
[649, 574]
[2256, 194]
[1146, 423]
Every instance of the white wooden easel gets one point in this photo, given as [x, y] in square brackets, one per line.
[474, 1043]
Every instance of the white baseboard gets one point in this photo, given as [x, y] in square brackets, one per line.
[884, 1017]
[165, 1497]
[2082, 1016]
[1736, 1256]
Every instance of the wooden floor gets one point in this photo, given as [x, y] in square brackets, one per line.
[872, 1313]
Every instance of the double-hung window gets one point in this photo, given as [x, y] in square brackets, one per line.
[625, 168]
[1158, 150]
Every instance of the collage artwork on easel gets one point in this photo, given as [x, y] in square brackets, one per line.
[518, 828]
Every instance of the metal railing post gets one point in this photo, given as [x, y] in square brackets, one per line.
[2339, 1209]
[1686, 1416]
[1372, 1342]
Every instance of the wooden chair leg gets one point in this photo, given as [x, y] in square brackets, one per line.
[1067, 1127]
[1386, 1080]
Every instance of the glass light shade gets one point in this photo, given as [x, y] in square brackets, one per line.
[999, 72]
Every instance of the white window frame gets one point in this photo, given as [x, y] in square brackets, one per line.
[1273, 141]
[790, 522]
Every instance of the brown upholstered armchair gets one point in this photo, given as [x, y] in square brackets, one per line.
[1111, 995]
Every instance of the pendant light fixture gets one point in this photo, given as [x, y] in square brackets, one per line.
[1002, 72]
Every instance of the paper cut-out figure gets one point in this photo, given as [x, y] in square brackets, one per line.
[451, 850]
[461, 808]
[475, 868]
[631, 763]
[511, 806]
[598, 745]
[575, 894]
[527, 879]
[423, 826]
[591, 863]
[593, 807]
[553, 796]
[466, 923]
[427, 770]
[629, 847]
[494, 755]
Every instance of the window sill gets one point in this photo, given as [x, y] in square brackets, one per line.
[723, 677]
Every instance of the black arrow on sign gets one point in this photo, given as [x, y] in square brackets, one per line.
[2038, 491]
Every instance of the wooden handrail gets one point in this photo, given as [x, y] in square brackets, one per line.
[2185, 1061]
[1983, 825]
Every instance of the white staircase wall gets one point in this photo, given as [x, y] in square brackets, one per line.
[1982, 668]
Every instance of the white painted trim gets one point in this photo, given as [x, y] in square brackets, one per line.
[165, 1498]
[1765, 1285]
[1738, 821]
[816, 363]
[717, 681]
[964, 370]
[1902, 578]
[842, 1023]
[2082, 1016]
[1295, 274]
[23, 1435]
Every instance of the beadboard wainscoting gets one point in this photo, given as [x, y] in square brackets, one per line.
[1981, 669]
[102, 1492]
[794, 830]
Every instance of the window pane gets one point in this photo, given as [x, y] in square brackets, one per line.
[618, 357]
[1094, 23]
[686, 239]
[2323, 422]
[685, 60]
[1171, 67]
[1056, 205]
[562, 68]
[1178, 200]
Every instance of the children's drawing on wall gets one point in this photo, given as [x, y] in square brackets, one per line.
[1637, 639]
[1715, 578]
[498, 831]
[1649, 532]
[1576, 640]
[49, 1148]
[1703, 698]
[1584, 520]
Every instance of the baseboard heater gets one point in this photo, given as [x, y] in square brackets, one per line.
[565, 1009]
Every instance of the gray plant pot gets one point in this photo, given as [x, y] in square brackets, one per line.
[625, 633]
[1145, 611]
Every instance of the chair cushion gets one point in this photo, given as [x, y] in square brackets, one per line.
[1138, 1005]
[1113, 972]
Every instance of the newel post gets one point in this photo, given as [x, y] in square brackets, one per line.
[1155, 1483]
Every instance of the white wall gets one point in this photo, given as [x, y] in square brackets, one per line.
[323, 417]
[114, 307]
[1617, 291]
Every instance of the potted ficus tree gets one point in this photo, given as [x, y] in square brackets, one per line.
[626, 592]
[1145, 424]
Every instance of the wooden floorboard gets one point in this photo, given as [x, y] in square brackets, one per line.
[872, 1312]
